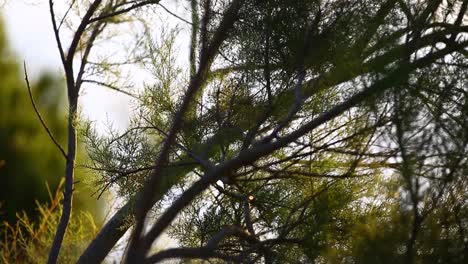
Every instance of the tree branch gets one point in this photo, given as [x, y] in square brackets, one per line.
[123, 11]
[190, 253]
[39, 115]
[136, 253]
[259, 150]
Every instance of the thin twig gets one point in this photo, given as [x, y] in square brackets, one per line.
[40, 116]
[174, 14]
[123, 11]
[110, 86]
[85, 55]
[205, 163]
[56, 32]
[138, 247]
[65, 15]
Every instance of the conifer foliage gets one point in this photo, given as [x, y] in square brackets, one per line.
[296, 132]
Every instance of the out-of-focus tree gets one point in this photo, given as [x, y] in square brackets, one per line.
[31, 168]
[29, 160]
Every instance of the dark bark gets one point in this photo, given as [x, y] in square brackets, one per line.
[110, 234]
[135, 253]
[73, 91]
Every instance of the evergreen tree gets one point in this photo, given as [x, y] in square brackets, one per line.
[301, 132]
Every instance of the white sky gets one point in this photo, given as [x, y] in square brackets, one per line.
[30, 34]
[28, 27]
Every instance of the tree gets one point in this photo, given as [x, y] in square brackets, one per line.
[31, 171]
[294, 122]
[29, 164]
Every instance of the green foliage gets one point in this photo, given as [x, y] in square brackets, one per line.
[381, 180]
[28, 240]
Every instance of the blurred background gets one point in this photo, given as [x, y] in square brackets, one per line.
[30, 164]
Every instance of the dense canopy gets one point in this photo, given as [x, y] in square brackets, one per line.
[298, 131]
